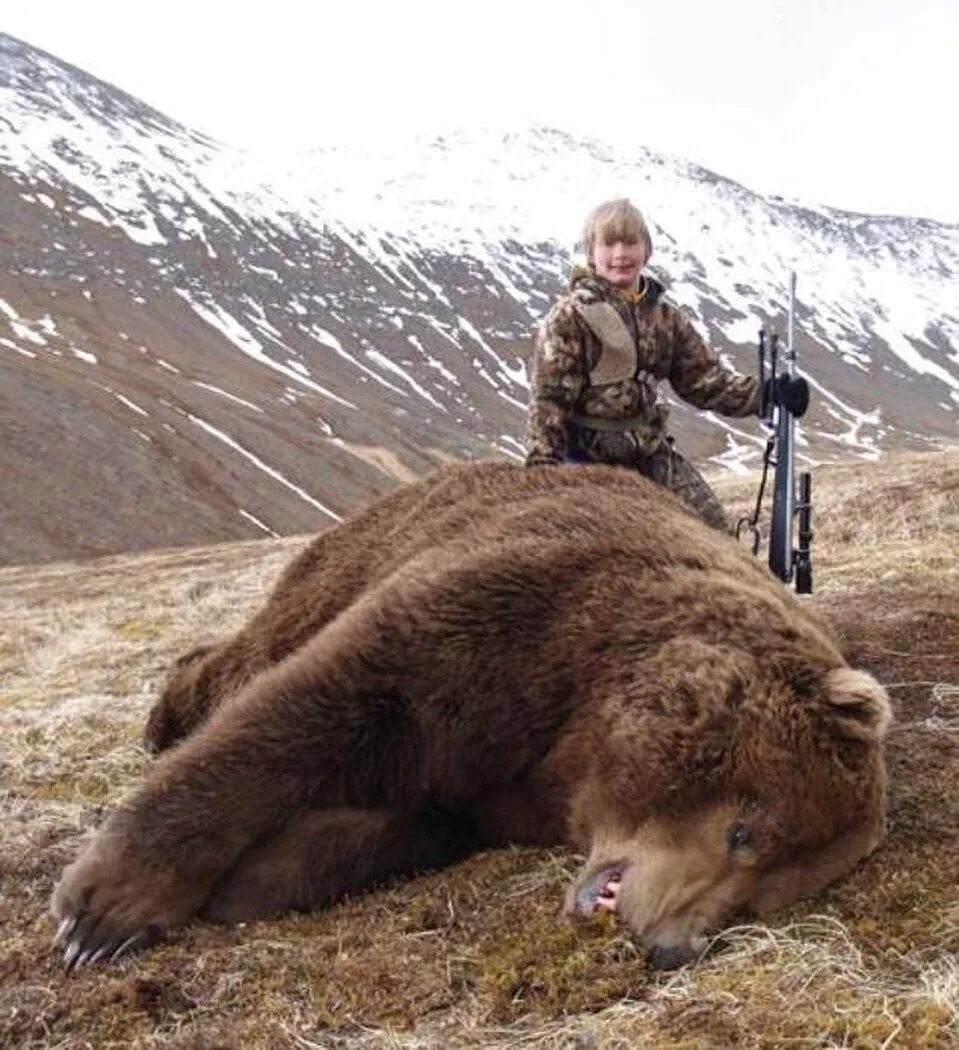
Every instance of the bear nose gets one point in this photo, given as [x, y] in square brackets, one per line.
[661, 958]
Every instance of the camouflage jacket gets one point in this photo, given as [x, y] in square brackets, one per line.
[600, 356]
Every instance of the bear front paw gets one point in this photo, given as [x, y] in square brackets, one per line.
[109, 903]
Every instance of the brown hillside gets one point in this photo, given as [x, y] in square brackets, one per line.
[474, 956]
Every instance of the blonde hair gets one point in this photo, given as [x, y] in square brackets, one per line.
[611, 221]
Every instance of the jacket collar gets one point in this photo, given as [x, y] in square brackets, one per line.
[585, 279]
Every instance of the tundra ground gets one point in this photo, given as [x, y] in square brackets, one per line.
[474, 956]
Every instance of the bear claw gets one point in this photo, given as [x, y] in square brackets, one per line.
[76, 956]
[71, 955]
[64, 930]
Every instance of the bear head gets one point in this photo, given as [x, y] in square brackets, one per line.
[724, 783]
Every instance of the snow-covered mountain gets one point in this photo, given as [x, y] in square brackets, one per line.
[199, 343]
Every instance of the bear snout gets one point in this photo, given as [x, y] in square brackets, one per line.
[671, 941]
[662, 958]
[596, 890]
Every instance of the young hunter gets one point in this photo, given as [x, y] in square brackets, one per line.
[603, 349]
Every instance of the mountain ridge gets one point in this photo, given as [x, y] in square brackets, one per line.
[200, 345]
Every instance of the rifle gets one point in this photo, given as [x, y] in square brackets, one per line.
[788, 563]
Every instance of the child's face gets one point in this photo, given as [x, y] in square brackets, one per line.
[620, 262]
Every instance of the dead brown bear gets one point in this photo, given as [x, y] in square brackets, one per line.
[497, 655]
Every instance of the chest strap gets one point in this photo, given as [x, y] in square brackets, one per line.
[617, 359]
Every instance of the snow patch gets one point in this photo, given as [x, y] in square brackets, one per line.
[259, 464]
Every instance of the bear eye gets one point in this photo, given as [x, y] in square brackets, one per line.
[737, 836]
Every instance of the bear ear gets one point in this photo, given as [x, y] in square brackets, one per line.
[857, 705]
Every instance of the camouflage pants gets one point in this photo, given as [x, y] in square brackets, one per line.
[665, 465]
[677, 474]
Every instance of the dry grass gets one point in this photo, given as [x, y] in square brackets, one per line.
[474, 956]
[891, 518]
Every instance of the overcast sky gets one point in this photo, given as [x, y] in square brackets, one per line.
[850, 103]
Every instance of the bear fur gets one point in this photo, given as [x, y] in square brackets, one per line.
[499, 655]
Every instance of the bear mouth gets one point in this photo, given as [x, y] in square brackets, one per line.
[599, 892]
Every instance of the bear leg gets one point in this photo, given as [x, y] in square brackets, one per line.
[327, 854]
[301, 735]
[382, 708]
